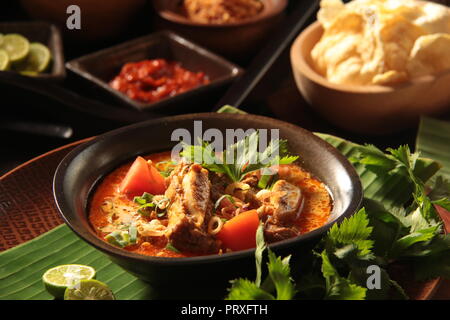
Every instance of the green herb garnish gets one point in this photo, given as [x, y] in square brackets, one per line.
[267, 181]
[144, 199]
[240, 158]
[146, 202]
[170, 247]
[264, 181]
[133, 234]
[118, 238]
[162, 212]
[168, 171]
[277, 286]
[144, 209]
[260, 247]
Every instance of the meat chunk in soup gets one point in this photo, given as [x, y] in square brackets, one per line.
[286, 200]
[274, 232]
[187, 236]
[190, 194]
[281, 206]
[197, 193]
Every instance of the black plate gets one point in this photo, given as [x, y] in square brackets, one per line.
[79, 172]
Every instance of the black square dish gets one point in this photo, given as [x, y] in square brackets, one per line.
[102, 66]
[47, 34]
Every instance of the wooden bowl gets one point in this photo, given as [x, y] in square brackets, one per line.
[233, 40]
[366, 109]
[100, 19]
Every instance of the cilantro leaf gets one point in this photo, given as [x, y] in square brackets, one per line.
[278, 279]
[403, 163]
[387, 227]
[352, 231]
[381, 280]
[280, 274]
[437, 246]
[244, 289]
[414, 232]
[403, 156]
[337, 287]
[241, 158]
[374, 158]
[401, 245]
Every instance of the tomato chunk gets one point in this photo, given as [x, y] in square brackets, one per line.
[142, 177]
[239, 233]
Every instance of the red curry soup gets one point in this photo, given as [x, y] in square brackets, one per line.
[158, 208]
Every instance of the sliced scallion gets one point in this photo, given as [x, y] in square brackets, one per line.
[143, 210]
[133, 234]
[118, 238]
[144, 199]
[170, 247]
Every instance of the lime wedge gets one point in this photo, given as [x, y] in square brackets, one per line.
[89, 290]
[4, 60]
[58, 279]
[16, 46]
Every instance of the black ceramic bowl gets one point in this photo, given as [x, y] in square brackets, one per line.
[82, 169]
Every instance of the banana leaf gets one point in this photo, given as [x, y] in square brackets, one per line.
[22, 267]
[433, 141]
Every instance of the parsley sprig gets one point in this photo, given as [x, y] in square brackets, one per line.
[278, 284]
[240, 158]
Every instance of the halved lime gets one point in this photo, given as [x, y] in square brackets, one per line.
[37, 60]
[16, 46]
[58, 279]
[4, 60]
[89, 290]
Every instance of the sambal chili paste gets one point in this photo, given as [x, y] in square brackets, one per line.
[153, 80]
